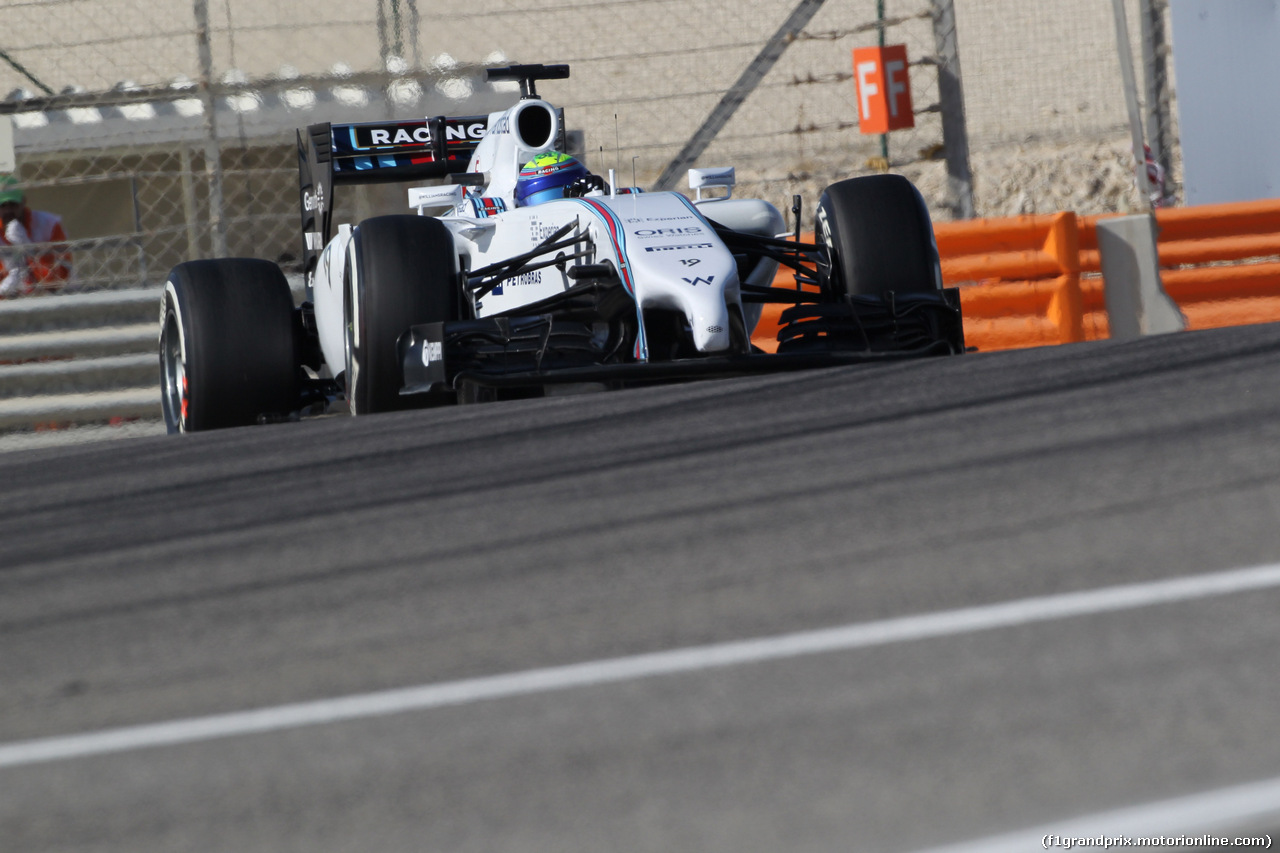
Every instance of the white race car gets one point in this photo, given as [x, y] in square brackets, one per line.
[521, 271]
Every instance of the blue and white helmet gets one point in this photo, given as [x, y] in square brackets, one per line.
[545, 177]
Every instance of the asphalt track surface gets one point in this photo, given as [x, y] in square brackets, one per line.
[162, 579]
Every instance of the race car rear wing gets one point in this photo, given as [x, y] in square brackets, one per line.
[371, 153]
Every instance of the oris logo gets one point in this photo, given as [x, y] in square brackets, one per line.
[668, 232]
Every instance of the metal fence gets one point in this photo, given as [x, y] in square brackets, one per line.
[163, 130]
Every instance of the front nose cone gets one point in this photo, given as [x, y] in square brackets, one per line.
[711, 330]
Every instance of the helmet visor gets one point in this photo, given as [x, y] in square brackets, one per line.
[549, 194]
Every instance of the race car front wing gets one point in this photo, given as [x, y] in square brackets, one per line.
[548, 349]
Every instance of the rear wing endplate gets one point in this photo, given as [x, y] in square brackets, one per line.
[371, 153]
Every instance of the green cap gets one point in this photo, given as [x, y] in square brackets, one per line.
[10, 190]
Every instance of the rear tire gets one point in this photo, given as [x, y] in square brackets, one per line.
[227, 352]
[879, 238]
[401, 272]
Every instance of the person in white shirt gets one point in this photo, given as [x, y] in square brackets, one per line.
[24, 271]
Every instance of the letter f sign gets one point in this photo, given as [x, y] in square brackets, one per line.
[897, 84]
[868, 72]
[884, 89]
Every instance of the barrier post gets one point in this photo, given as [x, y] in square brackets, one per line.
[1136, 301]
[1066, 309]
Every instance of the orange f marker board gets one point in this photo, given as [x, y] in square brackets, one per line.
[884, 89]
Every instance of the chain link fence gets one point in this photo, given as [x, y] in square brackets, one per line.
[1045, 106]
[163, 130]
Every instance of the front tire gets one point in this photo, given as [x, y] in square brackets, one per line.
[227, 353]
[878, 236]
[401, 272]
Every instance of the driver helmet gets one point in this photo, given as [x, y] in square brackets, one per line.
[545, 177]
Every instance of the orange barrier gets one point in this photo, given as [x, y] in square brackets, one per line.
[1219, 263]
[1019, 279]
[1202, 234]
[1035, 280]
[1216, 261]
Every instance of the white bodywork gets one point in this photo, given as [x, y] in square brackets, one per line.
[662, 245]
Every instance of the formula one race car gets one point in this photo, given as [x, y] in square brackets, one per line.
[532, 273]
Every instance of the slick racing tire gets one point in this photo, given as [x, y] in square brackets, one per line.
[878, 236]
[401, 272]
[227, 351]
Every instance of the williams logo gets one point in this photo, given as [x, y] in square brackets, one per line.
[709, 280]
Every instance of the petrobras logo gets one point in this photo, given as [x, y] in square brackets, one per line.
[313, 201]
[678, 248]
[526, 280]
[657, 233]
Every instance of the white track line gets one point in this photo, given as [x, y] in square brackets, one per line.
[857, 636]
[1220, 813]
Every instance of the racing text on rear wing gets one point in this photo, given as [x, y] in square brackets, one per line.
[407, 146]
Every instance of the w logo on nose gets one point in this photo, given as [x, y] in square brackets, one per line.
[700, 280]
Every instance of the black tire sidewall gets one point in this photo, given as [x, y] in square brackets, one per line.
[236, 321]
[878, 232]
[403, 273]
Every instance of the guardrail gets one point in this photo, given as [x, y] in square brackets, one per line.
[79, 358]
[1019, 282]
[1019, 279]
[1219, 263]
[1036, 280]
